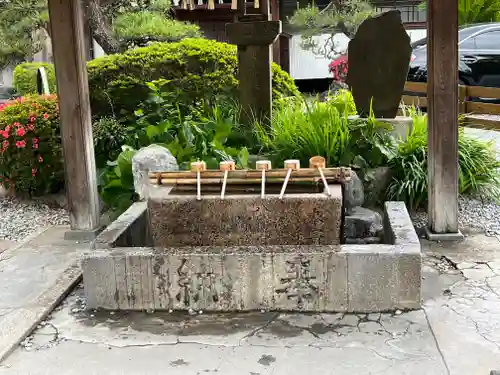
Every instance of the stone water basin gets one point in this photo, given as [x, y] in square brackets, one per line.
[243, 253]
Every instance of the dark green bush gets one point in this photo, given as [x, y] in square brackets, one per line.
[25, 76]
[109, 136]
[199, 68]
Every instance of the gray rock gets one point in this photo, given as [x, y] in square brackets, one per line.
[3, 191]
[354, 192]
[362, 223]
[152, 158]
[379, 57]
[376, 181]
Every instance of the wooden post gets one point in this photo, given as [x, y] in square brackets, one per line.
[442, 94]
[275, 16]
[68, 45]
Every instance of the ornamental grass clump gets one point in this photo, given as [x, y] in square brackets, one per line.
[301, 129]
[30, 151]
[479, 167]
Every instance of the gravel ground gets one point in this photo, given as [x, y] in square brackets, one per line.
[473, 214]
[20, 219]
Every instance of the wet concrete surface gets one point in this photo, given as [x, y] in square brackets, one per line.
[457, 332]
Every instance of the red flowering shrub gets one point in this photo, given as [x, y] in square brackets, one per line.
[338, 68]
[30, 145]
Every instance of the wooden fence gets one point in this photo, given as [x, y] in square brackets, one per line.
[474, 112]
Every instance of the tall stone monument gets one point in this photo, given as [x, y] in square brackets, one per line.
[254, 36]
[379, 59]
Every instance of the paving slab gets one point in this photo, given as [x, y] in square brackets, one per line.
[88, 342]
[35, 276]
[465, 314]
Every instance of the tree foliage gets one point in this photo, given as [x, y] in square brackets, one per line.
[340, 16]
[476, 11]
[116, 25]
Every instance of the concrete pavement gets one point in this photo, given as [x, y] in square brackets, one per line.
[34, 276]
[457, 333]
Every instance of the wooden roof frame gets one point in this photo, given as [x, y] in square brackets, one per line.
[76, 128]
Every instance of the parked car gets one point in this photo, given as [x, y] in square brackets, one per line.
[479, 56]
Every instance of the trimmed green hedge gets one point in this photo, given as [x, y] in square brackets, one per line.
[200, 68]
[25, 77]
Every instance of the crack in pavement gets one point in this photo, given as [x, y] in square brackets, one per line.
[476, 326]
[260, 328]
[436, 342]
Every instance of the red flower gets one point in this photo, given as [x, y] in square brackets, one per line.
[30, 127]
[4, 133]
[7, 129]
[40, 159]
[21, 144]
[5, 144]
[33, 172]
[45, 116]
[35, 140]
[338, 68]
[17, 124]
[20, 132]
[32, 118]
[35, 145]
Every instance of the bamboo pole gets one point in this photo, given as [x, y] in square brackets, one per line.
[253, 189]
[230, 181]
[329, 173]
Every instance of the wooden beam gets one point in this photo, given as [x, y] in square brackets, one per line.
[68, 45]
[442, 94]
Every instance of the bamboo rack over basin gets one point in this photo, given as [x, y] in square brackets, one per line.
[210, 177]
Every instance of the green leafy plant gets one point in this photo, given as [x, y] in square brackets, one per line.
[303, 129]
[343, 101]
[116, 181]
[30, 149]
[479, 169]
[199, 134]
[475, 11]
[109, 137]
